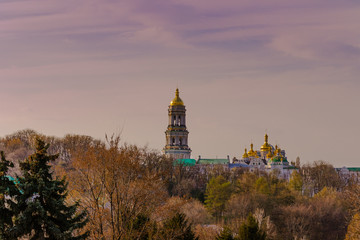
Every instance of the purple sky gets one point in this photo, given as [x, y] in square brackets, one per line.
[98, 66]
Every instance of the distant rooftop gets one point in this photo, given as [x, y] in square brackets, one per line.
[185, 162]
[213, 161]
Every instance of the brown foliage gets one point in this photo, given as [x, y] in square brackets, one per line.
[206, 232]
[318, 175]
[322, 217]
[116, 185]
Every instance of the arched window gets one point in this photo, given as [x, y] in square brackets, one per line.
[173, 141]
[180, 141]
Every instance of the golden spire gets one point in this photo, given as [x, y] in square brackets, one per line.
[266, 147]
[245, 155]
[177, 100]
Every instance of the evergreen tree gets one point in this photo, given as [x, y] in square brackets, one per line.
[249, 230]
[225, 234]
[218, 192]
[8, 191]
[43, 213]
[177, 228]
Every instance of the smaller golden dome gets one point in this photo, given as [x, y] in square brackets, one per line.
[177, 100]
[252, 153]
[269, 155]
[277, 151]
[245, 155]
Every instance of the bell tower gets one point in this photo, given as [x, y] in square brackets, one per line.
[176, 133]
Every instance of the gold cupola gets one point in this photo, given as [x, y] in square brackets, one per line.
[266, 146]
[277, 151]
[269, 155]
[245, 155]
[177, 100]
[252, 153]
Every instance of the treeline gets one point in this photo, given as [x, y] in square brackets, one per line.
[130, 192]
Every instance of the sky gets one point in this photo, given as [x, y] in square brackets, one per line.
[243, 68]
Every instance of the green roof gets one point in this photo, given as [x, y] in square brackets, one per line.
[213, 161]
[185, 162]
[354, 169]
[277, 159]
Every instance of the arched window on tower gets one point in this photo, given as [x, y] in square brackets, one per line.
[173, 141]
[174, 121]
[180, 141]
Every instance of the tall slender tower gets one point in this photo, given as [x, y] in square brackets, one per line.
[176, 133]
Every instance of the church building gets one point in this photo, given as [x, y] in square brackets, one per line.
[267, 158]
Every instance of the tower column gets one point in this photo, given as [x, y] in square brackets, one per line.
[177, 133]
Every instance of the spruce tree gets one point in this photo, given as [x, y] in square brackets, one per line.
[177, 228]
[225, 234]
[218, 192]
[42, 211]
[250, 230]
[8, 191]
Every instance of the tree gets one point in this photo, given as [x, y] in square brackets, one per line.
[7, 191]
[262, 186]
[330, 215]
[296, 182]
[297, 162]
[318, 175]
[250, 230]
[118, 184]
[353, 230]
[218, 192]
[295, 221]
[225, 234]
[177, 228]
[42, 210]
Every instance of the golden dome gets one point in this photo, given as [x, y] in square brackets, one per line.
[177, 100]
[266, 147]
[277, 151]
[252, 153]
[245, 155]
[269, 154]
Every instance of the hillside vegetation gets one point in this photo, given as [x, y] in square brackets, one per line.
[131, 192]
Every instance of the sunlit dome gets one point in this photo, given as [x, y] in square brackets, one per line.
[266, 147]
[177, 100]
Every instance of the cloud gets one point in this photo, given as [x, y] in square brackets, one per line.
[256, 64]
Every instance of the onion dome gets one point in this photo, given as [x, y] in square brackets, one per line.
[266, 147]
[245, 155]
[269, 155]
[252, 153]
[277, 151]
[177, 100]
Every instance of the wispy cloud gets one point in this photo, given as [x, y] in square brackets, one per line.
[244, 57]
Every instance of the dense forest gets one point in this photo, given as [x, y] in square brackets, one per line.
[78, 187]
